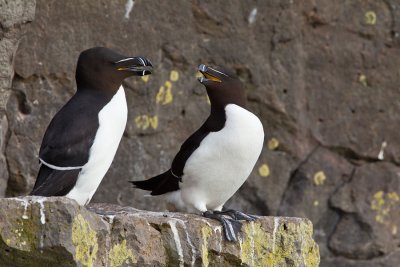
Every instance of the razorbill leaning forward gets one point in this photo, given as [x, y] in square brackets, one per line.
[82, 138]
[217, 159]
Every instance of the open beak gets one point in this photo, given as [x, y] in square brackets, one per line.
[139, 65]
[210, 74]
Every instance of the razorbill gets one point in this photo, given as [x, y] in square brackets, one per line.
[82, 138]
[215, 160]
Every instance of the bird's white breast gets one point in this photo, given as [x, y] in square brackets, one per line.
[223, 161]
[112, 122]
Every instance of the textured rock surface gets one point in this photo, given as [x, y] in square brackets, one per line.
[13, 17]
[58, 232]
[322, 75]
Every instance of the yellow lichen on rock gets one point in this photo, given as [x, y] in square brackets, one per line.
[205, 234]
[310, 250]
[385, 206]
[120, 254]
[273, 143]
[174, 75]
[255, 245]
[282, 247]
[85, 241]
[145, 121]
[264, 171]
[289, 239]
[370, 17]
[164, 95]
[319, 178]
[363, 80]
[260, 248]
[22, 238]
[146, 78]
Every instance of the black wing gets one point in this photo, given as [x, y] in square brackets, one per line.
[187, 148]
[71, 132]
[214, 123]
[67, 142]
[169, 180]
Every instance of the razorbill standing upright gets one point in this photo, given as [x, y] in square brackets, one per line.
[215, 160]
[82, 138]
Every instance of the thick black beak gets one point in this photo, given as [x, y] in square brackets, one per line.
[139, 65]
[210, 74]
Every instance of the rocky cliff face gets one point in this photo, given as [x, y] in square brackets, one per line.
[14, 15]
[58, 232]
[322, 76]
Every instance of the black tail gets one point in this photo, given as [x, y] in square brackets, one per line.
[159, 184]
[50, 182]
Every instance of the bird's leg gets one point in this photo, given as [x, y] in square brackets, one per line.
[237, 215]
[231, 227]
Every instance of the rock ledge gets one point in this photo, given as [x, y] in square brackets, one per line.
[58, 232]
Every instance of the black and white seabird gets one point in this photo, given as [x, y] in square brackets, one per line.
[82, 138]
[215, 160]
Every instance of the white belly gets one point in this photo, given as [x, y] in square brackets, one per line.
[112, 122]
[223, 161]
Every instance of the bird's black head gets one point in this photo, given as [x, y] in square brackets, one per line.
[103, 69]
[223, 87]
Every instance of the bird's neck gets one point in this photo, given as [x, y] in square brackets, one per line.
[218, 103]
[105, 88]
[102, 92]
[88, 79]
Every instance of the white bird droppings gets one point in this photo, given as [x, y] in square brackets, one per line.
[252, 16]
[128, 8]
[216, 230]
[110, 218]
[252, 243]
[42, 215]
[177, 241]
[25, 204]
[194, 253]
[381, 155]
[34, 199]
[276, 224]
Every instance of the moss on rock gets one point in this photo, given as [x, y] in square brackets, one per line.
[85, 241]
[205, 234]
[120, 254]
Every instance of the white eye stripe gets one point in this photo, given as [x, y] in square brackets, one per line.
[125, 59]
[130, 58]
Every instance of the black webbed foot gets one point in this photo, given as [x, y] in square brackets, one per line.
[237, 215]
[231, 227]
